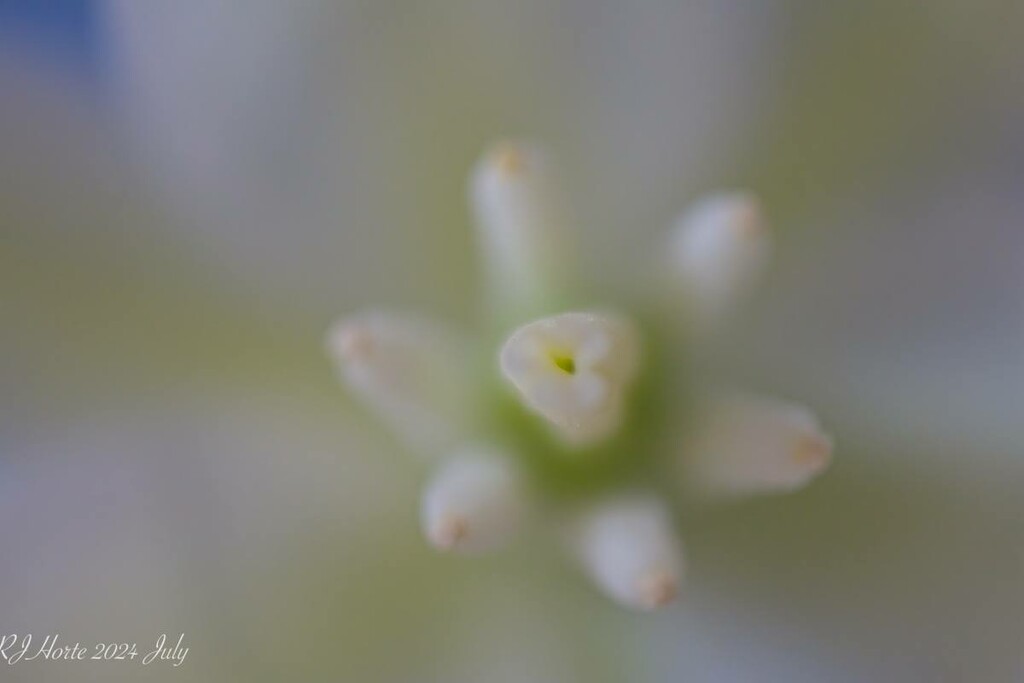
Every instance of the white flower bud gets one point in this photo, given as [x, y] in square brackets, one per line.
[474, 503]
[574, 369]
[629, 549]
[718, 250]
[521, 220]
[410, 371]
[749, 445]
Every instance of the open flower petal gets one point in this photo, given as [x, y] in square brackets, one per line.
[410, 371]
[628, 547]
[748, 445]
[574, 370]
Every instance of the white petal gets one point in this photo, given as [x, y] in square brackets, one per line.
[474, 503]
[410, 371]
[574, 370]
[629, 549]
[749, 445]
[523, 233]
[718, 250]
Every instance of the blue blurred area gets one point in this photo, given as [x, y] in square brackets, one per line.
[61, 31]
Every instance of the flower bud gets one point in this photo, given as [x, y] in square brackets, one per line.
[410, 371]
[748, 445]
[474, 503]
[718, 250]
[522, 229]
[629, 549]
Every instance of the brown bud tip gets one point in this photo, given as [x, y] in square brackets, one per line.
[508, 158]
[658, 589]
[448, 532]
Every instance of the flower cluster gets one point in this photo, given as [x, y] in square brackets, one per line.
[574, 413]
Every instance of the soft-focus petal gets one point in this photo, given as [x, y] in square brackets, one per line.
[525, 240]
[906, 319]
[411, 371]
[627, 546]
[745, 444]
[717, 251]
[475, 502]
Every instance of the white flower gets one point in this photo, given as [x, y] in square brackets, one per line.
[581, 373]
[316, 532]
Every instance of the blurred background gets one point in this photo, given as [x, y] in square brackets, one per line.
[192, 190]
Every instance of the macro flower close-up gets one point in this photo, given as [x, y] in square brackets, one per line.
[585, 416]
[492, 341]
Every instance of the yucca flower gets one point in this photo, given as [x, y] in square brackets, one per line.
[587, 416]
[177, 456]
